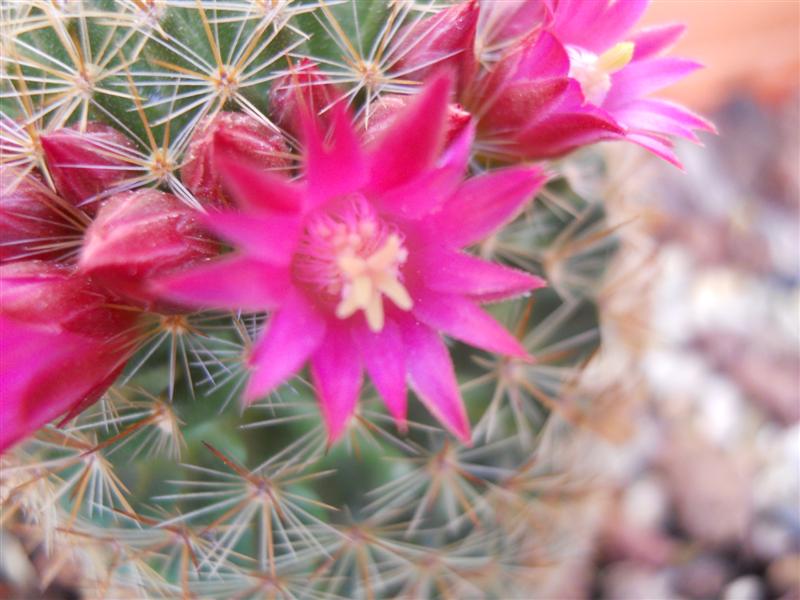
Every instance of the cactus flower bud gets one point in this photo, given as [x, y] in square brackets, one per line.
[34, 222]
[388, 107]
[85, 164]
[246, 136]
[62, 346]
[446, 38]
[139, 235]
[304, 85]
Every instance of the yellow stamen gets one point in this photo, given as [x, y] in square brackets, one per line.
[371, 278]
[616, 58]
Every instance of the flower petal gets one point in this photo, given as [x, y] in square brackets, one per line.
[239, 281]
[566, 131]
[432, 376]
[271, 237]
[654, 40]
[334, 163]
[292, 335]
[253, 188]
[465, 321]
[642, 77]
[426, 193]
[45, 374]
[659, 146]
[459, 273]
[383, 356]
[395, 158]
[596, 24]
[485, 203]
[337, 375]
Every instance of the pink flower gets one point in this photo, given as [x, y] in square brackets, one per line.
[362, 262]
[61, 345]
[446, 38]
[86, 164]
[252, 139]
[617, 70]
[139, 235]
[528, 107]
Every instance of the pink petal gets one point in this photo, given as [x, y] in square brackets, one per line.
[574, 19]
[293, 333]
[642, 77]
[563, 132]
[383, 356]
[395, 160]
[426, 193]
[680, 115]
[654, 40]
[596, 24]
[485, 203]
[643, 117]
[463, 320]
[519, 104]
[255, 189]
[540, 57]
[270, 237]
[337, 375]
[527, 79]
[617, 20]
[238, 282]
[432, 376]
[334, 161]
[45, 374]
[466, 275]
[661, 147]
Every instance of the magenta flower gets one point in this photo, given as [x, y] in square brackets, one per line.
[617, 71]
[62, 345]
[528, 107]
[361, 262]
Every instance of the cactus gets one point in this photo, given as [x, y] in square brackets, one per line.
[235, 234]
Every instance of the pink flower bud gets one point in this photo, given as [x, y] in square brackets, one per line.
[247, 137]
[140, 235]
[62, 345]
[305, 87]
[82, 164]
[386, 109]
[34, 222]
[446, 38]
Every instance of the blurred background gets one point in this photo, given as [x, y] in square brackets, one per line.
[695, 488]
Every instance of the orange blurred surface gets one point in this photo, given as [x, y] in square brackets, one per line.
[753, 44]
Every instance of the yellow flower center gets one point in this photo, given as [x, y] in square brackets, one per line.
[594, 72]
[353, 259]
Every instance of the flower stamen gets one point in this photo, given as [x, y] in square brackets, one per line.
[593, 72]
[353, 258]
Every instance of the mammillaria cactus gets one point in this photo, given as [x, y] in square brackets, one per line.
[202, 198]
